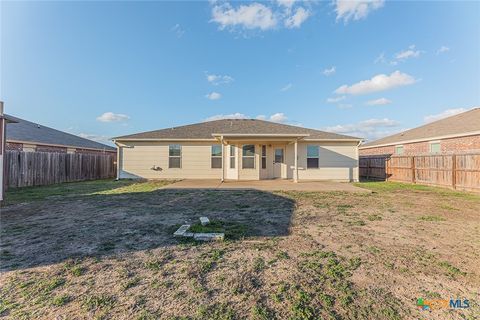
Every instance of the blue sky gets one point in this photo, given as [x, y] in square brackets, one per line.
[367, 68]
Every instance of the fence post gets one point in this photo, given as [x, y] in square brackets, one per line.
[413, 170]
[454, 171]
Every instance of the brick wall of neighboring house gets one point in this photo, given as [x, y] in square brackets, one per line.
[50, 149]
[452, 145]
[13, 146]
[113, 153]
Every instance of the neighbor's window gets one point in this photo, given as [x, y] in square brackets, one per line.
[313, 155]
[435, 147]
[174, 156]
[398, 149]
[216, 156]
[264, 157]
[232, 157]
[248, 156]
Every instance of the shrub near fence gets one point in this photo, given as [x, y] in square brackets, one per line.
[24, 169]
[456, 171]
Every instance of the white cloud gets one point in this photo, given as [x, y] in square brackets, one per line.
[380, 58]
[380, 82]
[286, 3]
[296, 20]
[213, 95]
[356, 9]
[262, 16]
[112, 117]
[178, 30]
[369, 129]
[236, 115]
[344, 106]
[411, 52]
[287, 87]
[251, 16]
[336, 99]
[96, 137]
[330, 71]
[445, 114]
[378, 102]
[277, 117]
[443, 49]
[216, 79]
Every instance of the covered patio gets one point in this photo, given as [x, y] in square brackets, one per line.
[267, 185]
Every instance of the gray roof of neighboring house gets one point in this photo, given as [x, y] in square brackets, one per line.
[34, 133]
[204, 130]
[456, 125]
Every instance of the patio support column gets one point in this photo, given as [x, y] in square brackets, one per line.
[223, 158]
[295, 172]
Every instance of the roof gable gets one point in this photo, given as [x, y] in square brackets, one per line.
[204, 130]
[456, 125]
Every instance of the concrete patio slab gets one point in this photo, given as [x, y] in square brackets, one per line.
[267, 185]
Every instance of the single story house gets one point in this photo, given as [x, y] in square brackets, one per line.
[238, 149]
[456, 134]
[23, 135]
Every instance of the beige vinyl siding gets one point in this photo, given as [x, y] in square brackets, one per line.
[138, 159]
[338, 161]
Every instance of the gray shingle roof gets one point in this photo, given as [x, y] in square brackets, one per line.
[459, 124]
[204, 130]
[33, 133]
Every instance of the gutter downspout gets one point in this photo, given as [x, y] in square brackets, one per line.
[118, 159]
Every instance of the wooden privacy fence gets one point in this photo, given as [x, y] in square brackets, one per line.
[456, 171]
[24, 169]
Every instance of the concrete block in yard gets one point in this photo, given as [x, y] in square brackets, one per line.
[188, 234]
[204, 221]
[181, 231]
[209, 236]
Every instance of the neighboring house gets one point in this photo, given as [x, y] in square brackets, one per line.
[456, 134]
[24, 135]
[238, 149]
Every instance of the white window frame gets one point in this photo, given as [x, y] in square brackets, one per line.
[317, 157]
[232, 157]
[252, 156]
[216, 157]
[180, 156]
[430, 146]
[399, 146]
[264, 157]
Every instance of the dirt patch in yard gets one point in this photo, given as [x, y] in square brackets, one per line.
[110, 253]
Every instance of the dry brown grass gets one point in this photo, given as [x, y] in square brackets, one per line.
[110, 254]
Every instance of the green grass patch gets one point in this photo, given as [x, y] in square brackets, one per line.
[391, 187]
[96, 302]
[216, 311]
[61, 300]
[232, 230]
[431, 218]
[80, 189]
[450, 269]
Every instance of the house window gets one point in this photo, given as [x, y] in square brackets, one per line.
[216, 156]
[232, 157]
[248, 156]
[398, 149]
[435, 147]
[174, 156]
[264, 157]
[313, 155]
